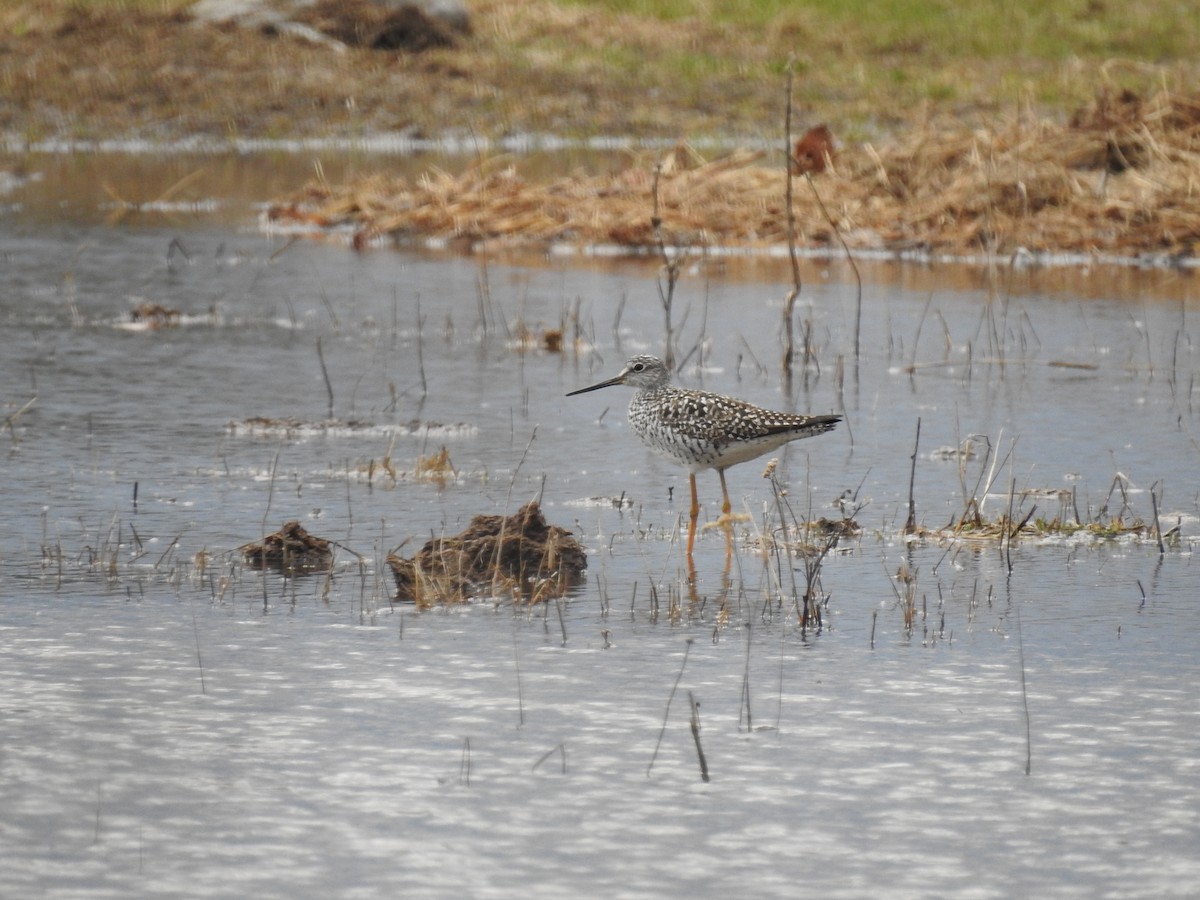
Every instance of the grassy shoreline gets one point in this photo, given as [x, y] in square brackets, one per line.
[666, 69]
[1062, 125]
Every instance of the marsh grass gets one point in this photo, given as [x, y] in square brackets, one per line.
[1115, 180]
[1036, 513]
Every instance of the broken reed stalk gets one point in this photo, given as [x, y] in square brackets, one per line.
[561, 622]
[561, 749]
[746, 686]
[910, 524]
[671, 267]
[421, 350]
[811, 613]
[778, 492]
[266, 513]
[196, 636]
[325, 375]
[849, 257]
[695, 724]
[517, 670]
[12, 418]
[504, 519]
[1006, 537]
[1157, 527]
[972, 502]
[687, 649]
[1024, 697]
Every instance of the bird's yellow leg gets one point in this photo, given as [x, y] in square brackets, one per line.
[727, 515]
[726, 521]
[694, 515]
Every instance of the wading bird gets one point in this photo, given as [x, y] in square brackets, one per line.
[701, 430]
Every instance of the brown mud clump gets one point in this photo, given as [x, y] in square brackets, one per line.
[291, 550]
[520, 555]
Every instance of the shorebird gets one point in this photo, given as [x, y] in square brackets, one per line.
[701, 430]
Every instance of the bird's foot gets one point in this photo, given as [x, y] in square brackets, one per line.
[726, 521]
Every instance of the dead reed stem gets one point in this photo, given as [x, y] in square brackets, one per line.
[695, 725]
[746, 687]
[517, 672]
[561, 750]
[325, 375]
[910, 524]
[671, 268]
[1024, 697]
[667, 712]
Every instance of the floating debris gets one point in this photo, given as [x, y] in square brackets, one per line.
[291, 427]
[291, 550]
[154, 315]
[836, 528]
[519, 555]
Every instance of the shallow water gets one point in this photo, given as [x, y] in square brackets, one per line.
[176, 728]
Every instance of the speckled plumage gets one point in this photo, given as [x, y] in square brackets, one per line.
[701, 430]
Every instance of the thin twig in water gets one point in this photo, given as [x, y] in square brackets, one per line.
[199, 661]
[8, 422]
[1157, 527]
[849, 258]
[1024, 697]
[695, 722]
[325, 373]
[667, 712]
[561, 622]
[420, 349]
[561, 749]
[746, 685]
[517, 669]
[910, 524]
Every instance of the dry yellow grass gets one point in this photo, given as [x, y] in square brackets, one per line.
[1122, 177]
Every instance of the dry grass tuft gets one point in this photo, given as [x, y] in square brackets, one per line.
[435, 467]
[521, 556]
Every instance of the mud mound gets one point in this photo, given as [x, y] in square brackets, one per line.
[520, 555]
[290, 550]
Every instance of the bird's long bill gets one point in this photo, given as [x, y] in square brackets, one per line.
[596, 387]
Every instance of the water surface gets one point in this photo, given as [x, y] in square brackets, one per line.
[177, 725]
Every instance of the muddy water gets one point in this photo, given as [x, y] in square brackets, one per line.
[174, 724]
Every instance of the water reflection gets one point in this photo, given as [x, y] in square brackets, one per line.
[172, 718]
